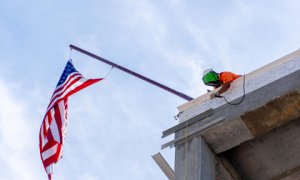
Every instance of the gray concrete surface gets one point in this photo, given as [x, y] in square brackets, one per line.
[279, 101]
[258, 139]
[254, 80]
[275, 155]
[197, 162]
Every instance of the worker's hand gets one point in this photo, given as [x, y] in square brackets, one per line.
[214, 94]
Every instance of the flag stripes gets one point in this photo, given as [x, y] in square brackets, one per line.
[53, 127]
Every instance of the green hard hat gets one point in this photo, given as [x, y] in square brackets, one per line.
[211, 78]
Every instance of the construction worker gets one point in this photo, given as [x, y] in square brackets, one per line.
[224, 79]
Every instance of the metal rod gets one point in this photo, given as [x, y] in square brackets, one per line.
[191, 121]
[186, 97]
[191, 134]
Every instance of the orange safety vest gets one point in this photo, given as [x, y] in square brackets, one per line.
[227, 77]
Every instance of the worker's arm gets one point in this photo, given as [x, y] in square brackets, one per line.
[224, 88]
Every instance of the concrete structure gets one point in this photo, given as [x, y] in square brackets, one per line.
[256, 140]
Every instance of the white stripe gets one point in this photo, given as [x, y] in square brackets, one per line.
[44, 142]
[54, 130]
[73, 73]
[43, 139]
[65, 85]
[61, 106]
[52, 111]
[78, 83]
[49, 169]
[46, 121]
[60, 95]
[50, 152]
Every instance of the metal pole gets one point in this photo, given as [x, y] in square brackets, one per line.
[186, 97]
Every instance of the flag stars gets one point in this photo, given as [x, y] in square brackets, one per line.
[67, 71]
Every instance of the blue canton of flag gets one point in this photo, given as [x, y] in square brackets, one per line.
[67, 71]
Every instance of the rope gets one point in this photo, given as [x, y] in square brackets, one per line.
[238, 103]
[112, 67]
[185, 146]
[70, 55]
[186, 128]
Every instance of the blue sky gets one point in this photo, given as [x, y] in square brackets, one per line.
[115, 126]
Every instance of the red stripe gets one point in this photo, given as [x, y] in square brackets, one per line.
[44, 130]
[58, 95]
[49, 122]
[53, 159]
[82, 86]
[49, 145]
[50, 160]
[66, 82]
[56, 98]
[49, 135]
[49, 117]
[58, 120]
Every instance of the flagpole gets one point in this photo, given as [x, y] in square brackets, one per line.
[186, 97]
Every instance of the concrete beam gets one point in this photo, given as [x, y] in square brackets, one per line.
[261, 111]
[180, 126]
[259, 137]
[254, 81]
[194, 160]
[227, 134]
[273, 114]
[190, 134]
[225, 170]
[274, 155]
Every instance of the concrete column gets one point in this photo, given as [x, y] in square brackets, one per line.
[194, 162]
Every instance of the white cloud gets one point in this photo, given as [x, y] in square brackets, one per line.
[119, 122]
[87, 177]
[19, 157]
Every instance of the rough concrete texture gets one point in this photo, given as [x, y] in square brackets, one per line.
[241, 125]
[222, 173]
[254, 80]
[271, 156]
[225, 170]
[226, 135]
[194, 161]
[260, 138]
[293, 176]
[273, 114]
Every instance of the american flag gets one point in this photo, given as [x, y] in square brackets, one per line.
[53, 128]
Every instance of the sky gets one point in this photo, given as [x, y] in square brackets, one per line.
[115, 126]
